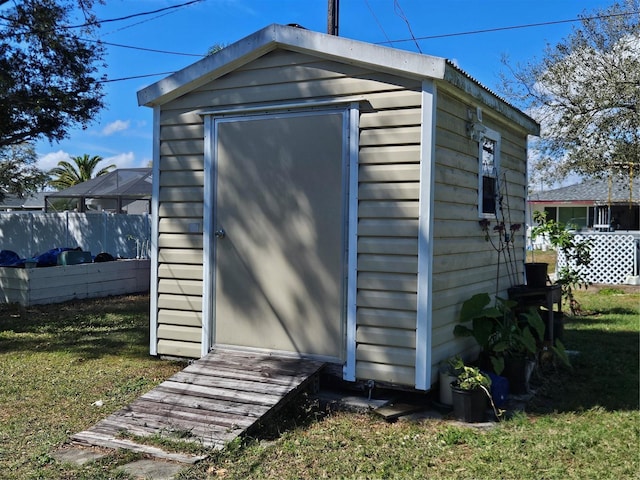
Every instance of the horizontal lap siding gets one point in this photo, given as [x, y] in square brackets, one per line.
[388, 203]
[464, 263]
[180, 213]
[388, 192]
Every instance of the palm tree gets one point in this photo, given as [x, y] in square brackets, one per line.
[66, 174]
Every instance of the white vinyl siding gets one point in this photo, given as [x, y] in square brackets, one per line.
[463, 263]
[180, 213]
[388, 195]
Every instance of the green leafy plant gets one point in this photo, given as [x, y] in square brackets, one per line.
[500, 330]
[452, 365]
[469, 378]
[472, 378]
[577, 256]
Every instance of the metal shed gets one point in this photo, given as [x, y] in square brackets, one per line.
[319, 197]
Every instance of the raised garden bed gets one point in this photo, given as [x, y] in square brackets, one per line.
[33, 286]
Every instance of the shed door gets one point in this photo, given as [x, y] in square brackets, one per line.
[280, 202]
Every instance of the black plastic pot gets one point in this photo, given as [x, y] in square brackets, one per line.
[536, 274]
[469, 405]
[516, 371]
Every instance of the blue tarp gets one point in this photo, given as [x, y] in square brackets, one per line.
[46, 259]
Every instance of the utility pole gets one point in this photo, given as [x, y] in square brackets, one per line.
[332, 17]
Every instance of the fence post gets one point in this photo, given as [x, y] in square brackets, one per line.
[66, 229]
[104, 232]
[32, 237]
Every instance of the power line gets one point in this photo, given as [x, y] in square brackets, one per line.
[512, 27]
[389, 41]
[134, 15]
[373, 14]
[104, 34]
[133, 77]
[471, 32]
[398, 10]
[153, 50]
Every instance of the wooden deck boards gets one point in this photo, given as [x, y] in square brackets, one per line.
[211, 402]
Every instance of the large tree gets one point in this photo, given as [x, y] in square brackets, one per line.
[19, 174]
[49, 69]
[67, 174]
[585, 92]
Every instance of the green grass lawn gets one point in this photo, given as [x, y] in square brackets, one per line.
[56, 361]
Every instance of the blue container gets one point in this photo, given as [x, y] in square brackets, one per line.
[499, 389]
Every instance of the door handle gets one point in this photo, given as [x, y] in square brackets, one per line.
[220, 233]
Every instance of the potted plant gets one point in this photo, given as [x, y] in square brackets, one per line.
[576, 255]
[510, 339]
[470, 394]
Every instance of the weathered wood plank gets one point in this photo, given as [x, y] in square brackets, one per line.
[204, 404]
[274, 365]
[211, 402]
[116, 443]
[184, 431]
[232, 373]
[142, 406]
[218, 393]
[233, 384]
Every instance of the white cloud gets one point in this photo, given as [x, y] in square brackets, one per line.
[122, 160]
[117, 126]
[50, 160]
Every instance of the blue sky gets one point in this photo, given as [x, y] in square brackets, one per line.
[122, 133]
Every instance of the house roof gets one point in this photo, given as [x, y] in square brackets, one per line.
[123, 182]
[598, 191]
[331, 47]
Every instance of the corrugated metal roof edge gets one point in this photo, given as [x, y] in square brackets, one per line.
[475, 88]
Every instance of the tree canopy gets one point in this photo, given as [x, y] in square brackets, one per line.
[49, 69]
[19, 174]
[585, 93]
[82, 169]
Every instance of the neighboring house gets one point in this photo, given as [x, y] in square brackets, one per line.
[594, 204]
[31, 203]
[321, 196]
[125, 190]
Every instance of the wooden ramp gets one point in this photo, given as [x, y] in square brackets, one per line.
[211, 402]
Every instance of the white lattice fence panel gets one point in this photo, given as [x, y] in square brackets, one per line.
[613, 258]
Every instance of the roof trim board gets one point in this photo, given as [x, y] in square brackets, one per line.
[294, 39]
[385, 59]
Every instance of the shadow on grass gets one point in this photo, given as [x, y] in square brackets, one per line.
[618, 311]
[605, 370]
[88, 328]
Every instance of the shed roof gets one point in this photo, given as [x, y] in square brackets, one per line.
[599, 191]
[340, 49]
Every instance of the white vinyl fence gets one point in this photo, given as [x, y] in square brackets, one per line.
[615, 257]
[32, 233]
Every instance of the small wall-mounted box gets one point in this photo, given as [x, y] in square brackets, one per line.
[73, 257]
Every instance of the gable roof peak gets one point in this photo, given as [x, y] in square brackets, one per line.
[295, 39]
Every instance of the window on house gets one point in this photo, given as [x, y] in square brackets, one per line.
[489, 153]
